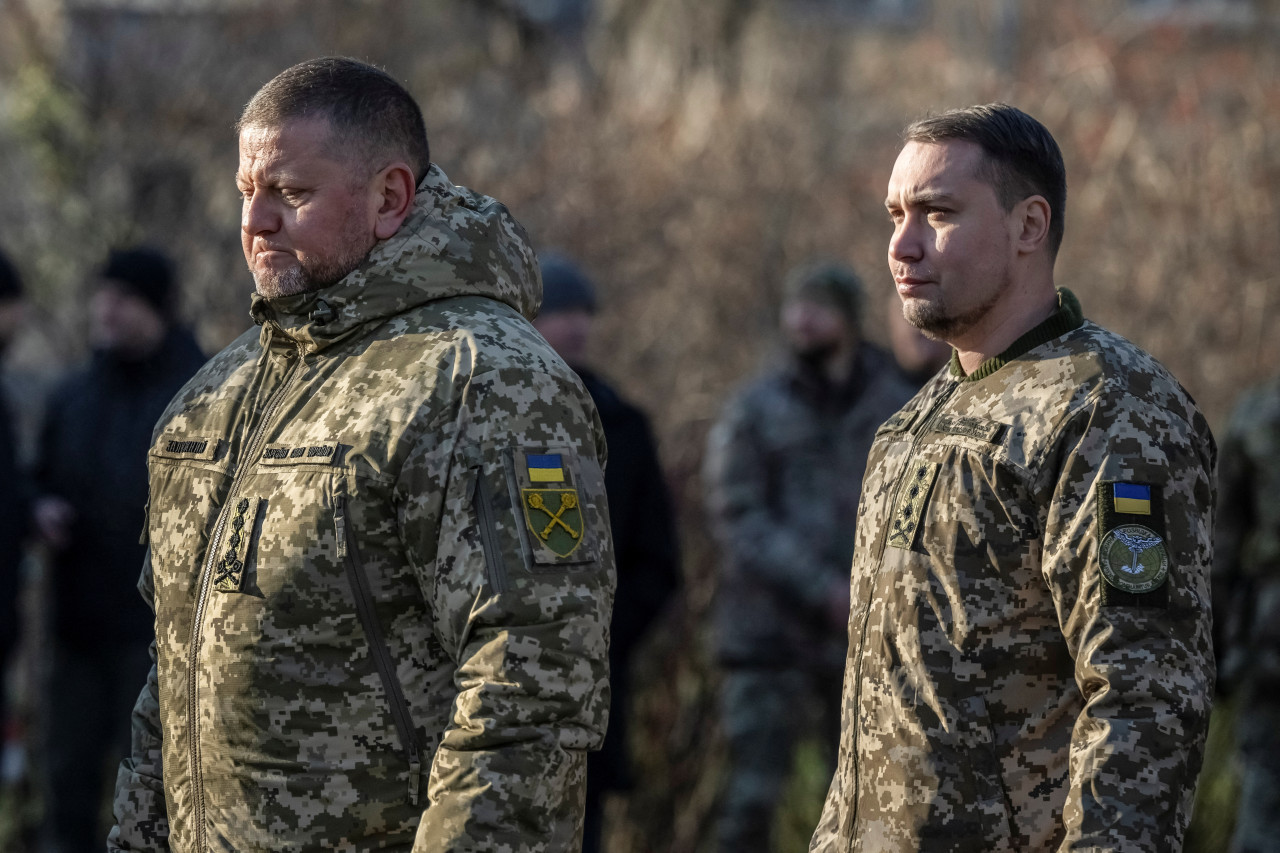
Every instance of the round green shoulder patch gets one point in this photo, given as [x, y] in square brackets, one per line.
[1133, 558]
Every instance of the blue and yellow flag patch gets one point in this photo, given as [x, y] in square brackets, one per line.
[544, 467]
[1131, 498]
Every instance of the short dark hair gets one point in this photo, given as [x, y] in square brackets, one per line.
[372, 116]
[1022, 158]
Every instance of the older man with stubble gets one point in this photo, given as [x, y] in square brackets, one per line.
[1030, 662]
[379, 559]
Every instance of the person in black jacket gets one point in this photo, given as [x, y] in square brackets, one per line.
[640, 513]
[12, 491]
[91, 482]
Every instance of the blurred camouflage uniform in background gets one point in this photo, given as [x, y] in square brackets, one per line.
[1030, 663]
[783, 471]
[380, 565]
[1246, 599]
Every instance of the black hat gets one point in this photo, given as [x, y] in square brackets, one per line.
[10, 282]
[829, 282]
[564, 286]
[145, 273]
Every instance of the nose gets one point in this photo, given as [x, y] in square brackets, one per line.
[907, 244]
[257, 214]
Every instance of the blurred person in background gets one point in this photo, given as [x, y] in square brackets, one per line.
[918, 356]
[1030, 662]
[783, 471]
[13, 493]
[640, 515]
[91, 482]
[1246, 601]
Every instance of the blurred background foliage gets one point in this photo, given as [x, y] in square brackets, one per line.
[687, 152]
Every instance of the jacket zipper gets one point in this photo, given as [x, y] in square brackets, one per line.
[349, 551]
[215, 547]
[918, 429]
[482, 502]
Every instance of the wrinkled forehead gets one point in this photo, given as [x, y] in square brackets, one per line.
[294, 141]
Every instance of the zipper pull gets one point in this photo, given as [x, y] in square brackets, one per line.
[415, 780]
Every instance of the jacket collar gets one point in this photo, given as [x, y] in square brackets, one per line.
[1067, 318]
[455, 242]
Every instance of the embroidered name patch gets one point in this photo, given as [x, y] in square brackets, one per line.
[1133, 556]
[988, 431]
[315, 454]
[187, 447]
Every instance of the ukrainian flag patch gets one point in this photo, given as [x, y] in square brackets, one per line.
[1131, 498]
[544, 467]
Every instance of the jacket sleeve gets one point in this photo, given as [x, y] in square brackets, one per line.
[141, 819]
[1143, 659]
[518, 570]
[755, 539]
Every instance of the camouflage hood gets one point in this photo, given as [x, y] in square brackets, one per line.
[455, 242]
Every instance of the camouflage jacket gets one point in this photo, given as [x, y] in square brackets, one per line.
[380, 568]
[1030, 666]
[1247, 560]
[783, 471]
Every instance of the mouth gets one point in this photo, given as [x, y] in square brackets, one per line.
[271, 254]
[911, 286]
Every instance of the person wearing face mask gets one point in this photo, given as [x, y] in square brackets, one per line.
[91, 494]
[783, 472]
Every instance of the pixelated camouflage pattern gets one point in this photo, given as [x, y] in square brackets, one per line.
[1247, 559]
[783, 471]
[393, 665]
[993, 701]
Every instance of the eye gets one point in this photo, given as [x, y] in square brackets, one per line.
[291, 196]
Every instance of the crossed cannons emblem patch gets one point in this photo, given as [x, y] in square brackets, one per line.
[554, 516]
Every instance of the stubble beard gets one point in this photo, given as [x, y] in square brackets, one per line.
[935, 319]
[308, 277]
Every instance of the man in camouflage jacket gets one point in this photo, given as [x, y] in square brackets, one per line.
[1246, 600]
[379, 553]
[783, 470]
[1030, 662]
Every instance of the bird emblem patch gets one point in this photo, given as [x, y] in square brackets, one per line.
[1133, 558]
[1133, 555]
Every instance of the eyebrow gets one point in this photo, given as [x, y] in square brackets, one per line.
[923, 197]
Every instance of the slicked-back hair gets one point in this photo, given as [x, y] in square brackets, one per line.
[374, 119]
[1021, 159]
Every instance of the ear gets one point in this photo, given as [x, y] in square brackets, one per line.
[393, 190]
[1030, 223]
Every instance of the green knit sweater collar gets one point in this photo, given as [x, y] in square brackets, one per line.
[1067, 318]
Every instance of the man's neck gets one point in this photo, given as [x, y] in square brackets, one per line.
[1004, 324]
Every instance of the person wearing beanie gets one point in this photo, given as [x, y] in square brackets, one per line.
[783, 471]
[91, 494]
[640, 514]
